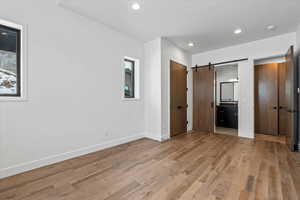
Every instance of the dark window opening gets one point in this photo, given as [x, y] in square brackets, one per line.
[129, 67]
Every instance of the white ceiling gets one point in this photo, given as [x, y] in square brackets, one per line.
[208, 23]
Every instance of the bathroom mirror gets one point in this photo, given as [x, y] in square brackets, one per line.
[227, 91]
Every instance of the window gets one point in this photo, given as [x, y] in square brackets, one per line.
[10, 58]
[131, 78]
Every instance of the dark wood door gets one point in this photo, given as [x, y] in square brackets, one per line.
[291, 98]
[266, 99]
[203, 99]
[178, 86]
[282, 115]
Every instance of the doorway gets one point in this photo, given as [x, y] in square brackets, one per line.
[276, 98]
[269, 94]
[178, 100]
[226, 95]
[266, 94]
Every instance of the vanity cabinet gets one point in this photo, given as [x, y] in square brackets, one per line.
[227, 115]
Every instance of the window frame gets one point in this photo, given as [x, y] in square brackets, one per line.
[18, 56]
[21, 94]
[136, 85]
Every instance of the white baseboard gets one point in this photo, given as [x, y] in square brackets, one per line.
[17, 169]
[247, 137]
[152, 137]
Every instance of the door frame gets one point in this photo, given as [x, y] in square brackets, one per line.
[170, 97]
[216, 93]
[267, 60]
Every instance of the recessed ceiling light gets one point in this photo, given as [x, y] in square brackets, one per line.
[3, 33]
[135, 6]
[238, 31]
[191, 44]
[271, 27]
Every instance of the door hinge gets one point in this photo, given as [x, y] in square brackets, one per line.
[187, 122]
[187, 89]
[187, 105]
[298, 90]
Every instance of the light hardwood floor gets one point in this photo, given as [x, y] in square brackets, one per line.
[195, 166]
[226, 131]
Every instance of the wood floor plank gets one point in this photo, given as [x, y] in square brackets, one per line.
[192, 166]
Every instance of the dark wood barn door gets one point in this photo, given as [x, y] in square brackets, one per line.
[203, 99]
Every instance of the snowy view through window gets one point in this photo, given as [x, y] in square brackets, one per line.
[8, 77]
[8, 61]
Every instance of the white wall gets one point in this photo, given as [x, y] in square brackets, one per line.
[158, 54]
[153, 100]
[298, 36]
[269, 47]
[74, 103]
[172, 52]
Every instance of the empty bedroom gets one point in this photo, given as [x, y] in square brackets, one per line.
[149, 100]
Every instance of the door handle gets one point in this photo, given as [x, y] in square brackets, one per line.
[179, 107]
[282, 107]
[275, 107]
